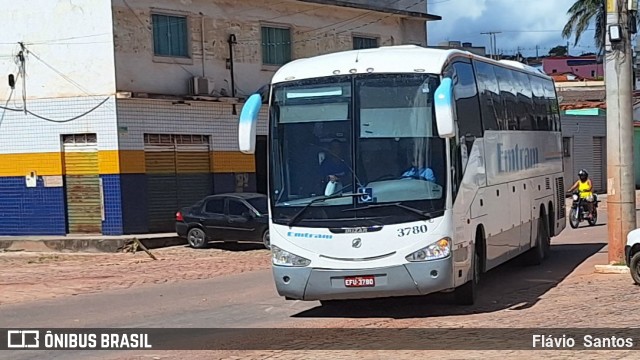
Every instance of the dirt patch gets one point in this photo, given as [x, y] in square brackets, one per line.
[29, 276]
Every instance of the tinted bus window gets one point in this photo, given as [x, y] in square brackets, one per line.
[489, 95]
[508, 95]
[467, 105]
[525, 102]
[552, 105]
[539, 103]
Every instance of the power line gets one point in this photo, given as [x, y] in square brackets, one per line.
[4, 110]
[58, 121]
[65, 77]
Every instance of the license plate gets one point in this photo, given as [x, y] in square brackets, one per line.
[360, 281]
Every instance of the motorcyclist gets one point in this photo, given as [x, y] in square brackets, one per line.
[585, 189]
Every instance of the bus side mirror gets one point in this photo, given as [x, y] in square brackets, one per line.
[443, 102]
[247, 124]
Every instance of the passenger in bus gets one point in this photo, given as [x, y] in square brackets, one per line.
[585, 189]
[334, 168]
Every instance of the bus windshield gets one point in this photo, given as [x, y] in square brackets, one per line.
[371, 134]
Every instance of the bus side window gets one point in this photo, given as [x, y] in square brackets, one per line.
[489, 96]
[506, 84]
[467, 105]
[540, 103]
[525, 104]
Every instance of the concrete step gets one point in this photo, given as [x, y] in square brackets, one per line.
[85, 243]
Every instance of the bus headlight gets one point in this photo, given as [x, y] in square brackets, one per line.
[285, 258]
[438, 250]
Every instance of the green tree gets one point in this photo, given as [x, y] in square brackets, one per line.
[581, 14]
[558, 51]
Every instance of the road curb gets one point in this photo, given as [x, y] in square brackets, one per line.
[611, 269]
[101, 245]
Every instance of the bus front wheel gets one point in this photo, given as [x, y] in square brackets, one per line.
[467, 293]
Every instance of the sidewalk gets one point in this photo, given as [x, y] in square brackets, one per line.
[85, 243]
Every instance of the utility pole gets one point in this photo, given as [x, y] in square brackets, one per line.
[492, 42]
[621, 200]
[537, 55]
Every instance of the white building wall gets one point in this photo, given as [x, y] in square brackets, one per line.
[315, 29]
[20, 133]
[69, 70]
[139, 116]
[68, 39]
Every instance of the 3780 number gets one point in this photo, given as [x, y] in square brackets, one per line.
[415, 230]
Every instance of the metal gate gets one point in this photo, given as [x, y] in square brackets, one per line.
[85, 201]
[597, 172]
[178, 175]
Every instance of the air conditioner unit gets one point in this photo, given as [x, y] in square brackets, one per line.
[199, 86]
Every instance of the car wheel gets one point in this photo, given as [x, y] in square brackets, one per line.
[266, 240]
[197, 238]
[634, 266]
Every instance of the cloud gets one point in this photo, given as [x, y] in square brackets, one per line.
[524, 24]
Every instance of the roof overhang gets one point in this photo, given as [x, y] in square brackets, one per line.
[379, 8]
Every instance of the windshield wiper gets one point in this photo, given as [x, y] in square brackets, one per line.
[298, 215]
[425, 215]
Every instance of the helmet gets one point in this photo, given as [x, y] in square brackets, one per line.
[583, 174]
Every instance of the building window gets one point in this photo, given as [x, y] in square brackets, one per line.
[276, 45]
[364, 43]
[566, 146]
[170, 36]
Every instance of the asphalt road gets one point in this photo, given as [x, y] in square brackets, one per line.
[250, 299]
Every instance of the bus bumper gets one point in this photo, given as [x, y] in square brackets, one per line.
[304, 283]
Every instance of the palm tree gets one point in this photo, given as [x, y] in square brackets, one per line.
[582, 12]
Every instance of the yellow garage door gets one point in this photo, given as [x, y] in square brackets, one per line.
[85, 210]
[178, 175]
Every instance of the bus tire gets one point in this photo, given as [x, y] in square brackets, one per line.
[536, 255]
[467, 293]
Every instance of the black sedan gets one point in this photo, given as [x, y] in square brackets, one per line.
[225, 217]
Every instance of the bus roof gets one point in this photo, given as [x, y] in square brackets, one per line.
[388, 59]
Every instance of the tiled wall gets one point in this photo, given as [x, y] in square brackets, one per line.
[29, 144]
[31, 211]
[113, 222]
[216, 120]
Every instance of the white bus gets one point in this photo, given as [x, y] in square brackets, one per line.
[405, 170]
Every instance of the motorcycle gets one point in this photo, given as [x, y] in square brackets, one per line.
[579, 211]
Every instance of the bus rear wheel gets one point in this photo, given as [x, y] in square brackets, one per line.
[536, 255]
[467, 293]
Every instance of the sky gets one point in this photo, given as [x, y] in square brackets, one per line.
[523, 23]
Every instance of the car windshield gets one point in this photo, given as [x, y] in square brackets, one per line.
[371, 134]
[259, 203]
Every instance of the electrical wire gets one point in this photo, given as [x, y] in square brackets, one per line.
[65, 77]
[4, 110]
[54, 120]
[20, 58]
